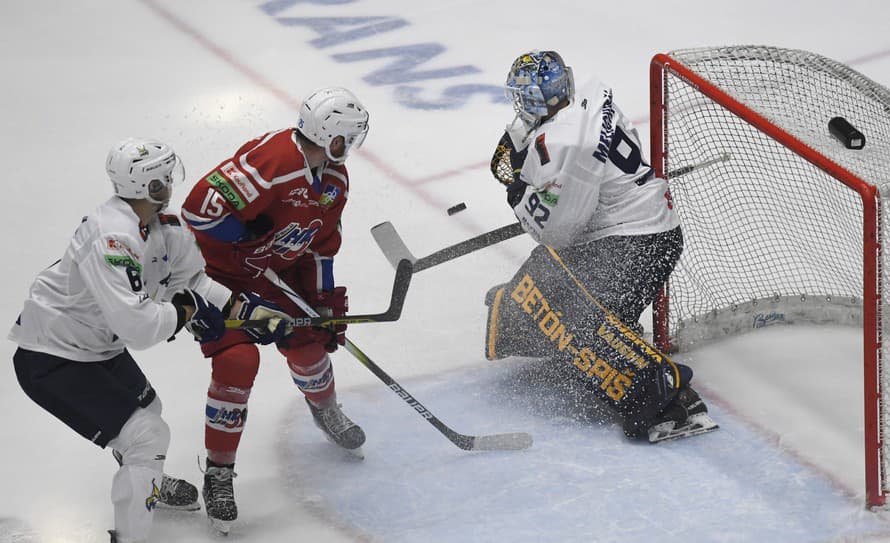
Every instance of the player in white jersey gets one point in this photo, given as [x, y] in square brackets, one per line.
[130, 277]
[579, 184]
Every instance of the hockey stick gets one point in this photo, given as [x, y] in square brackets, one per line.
[683, 170]
[390, 242]
[496, 442]
[393, 312]
[395, 250]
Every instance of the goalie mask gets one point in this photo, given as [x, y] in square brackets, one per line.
[332, 112]
[143, 169]
[538, 81]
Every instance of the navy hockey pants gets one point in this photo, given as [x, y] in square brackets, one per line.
[94, 399]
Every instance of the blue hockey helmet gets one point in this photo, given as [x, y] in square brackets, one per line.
[537, 81]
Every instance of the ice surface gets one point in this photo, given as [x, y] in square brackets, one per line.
[205, 76]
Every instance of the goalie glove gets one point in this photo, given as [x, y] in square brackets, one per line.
[509, 156]
[250, 306]
[206, 323]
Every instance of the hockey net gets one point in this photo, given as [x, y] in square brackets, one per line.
[782, 223]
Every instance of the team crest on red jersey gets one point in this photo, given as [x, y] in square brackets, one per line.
[329, 195]
[293, 240]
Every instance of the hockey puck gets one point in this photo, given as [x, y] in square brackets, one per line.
[457, 208]
[846, 133]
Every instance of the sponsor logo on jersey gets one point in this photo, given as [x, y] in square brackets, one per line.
[123, 262]
[329, 195]
[242, 183]
[118, 245]
[299, 197]
[300, 203]
[293, 240]
[152, 500]
[552, 184]
[222, 186]
[550, 199]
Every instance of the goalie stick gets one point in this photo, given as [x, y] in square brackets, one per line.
[495, 442]
[683, 170]
[392, 313]
[395, 250]
[390, 242]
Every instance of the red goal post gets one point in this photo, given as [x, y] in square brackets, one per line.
[783, 223]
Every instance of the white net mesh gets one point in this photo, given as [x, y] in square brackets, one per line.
[769, 236]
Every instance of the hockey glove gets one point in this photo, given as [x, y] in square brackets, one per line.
[206, 323]
[250, 306]
[333, 303]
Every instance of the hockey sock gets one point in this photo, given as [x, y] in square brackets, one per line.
[234, 370]
[310, 368]
[135, 489]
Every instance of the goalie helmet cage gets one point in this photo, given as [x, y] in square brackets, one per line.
[789, 227]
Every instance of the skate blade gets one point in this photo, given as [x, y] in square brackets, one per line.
[221, 527]
[354, 453]
[194, 506]
[700, 423]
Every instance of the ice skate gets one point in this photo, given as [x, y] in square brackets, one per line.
[337, 427]
[686, 416]
[176, 494]
[219, 496]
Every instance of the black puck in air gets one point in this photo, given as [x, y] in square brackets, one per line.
[457, 208]
[846, 133]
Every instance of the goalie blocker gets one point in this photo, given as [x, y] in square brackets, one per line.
[545, 311]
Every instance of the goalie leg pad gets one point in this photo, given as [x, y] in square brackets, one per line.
[625, 273]
[545, 311]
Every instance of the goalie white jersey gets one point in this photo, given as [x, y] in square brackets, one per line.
[588, 178]
[112, 287]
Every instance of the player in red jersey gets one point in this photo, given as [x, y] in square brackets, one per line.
[276, 204]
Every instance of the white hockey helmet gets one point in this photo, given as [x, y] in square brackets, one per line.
[331, 112]
[144, 169]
